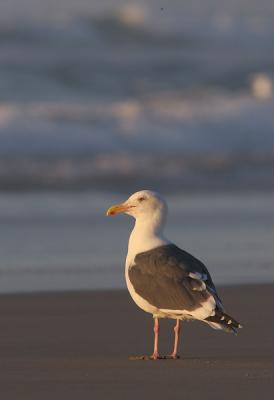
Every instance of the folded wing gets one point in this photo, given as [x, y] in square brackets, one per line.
[174, 281]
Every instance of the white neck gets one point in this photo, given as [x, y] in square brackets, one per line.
[146, 235]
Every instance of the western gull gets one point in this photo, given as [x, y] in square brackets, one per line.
[163, 279]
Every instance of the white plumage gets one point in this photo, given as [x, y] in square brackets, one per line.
[163, 279]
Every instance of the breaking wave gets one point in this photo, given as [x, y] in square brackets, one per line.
[135, 90]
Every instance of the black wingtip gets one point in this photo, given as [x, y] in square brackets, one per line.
[226, 321]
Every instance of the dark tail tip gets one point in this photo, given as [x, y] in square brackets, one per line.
[225, 320]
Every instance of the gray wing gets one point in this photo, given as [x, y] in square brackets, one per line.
[170, 278]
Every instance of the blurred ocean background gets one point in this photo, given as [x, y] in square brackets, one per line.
[102, 98]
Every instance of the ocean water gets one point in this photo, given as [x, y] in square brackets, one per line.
[57, 241]
[95, 89]
[111, 96]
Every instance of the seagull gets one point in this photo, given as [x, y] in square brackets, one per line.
[163, 279]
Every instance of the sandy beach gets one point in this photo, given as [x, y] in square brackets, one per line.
[76, 346]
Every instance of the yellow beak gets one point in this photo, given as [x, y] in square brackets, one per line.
[117, 209]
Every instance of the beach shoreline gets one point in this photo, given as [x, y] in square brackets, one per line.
[72, 345]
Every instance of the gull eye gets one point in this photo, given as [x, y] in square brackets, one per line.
[140, 199]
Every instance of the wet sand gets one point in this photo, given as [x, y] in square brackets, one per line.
[76, 346]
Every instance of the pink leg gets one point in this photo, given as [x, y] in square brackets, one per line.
[177, 329]
[155, 354]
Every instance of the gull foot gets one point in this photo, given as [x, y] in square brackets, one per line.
[155, 357]
[146, 358]
[172, 357]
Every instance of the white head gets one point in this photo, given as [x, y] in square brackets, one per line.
[144, 206]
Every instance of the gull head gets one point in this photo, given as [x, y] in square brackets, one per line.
[143, 205]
